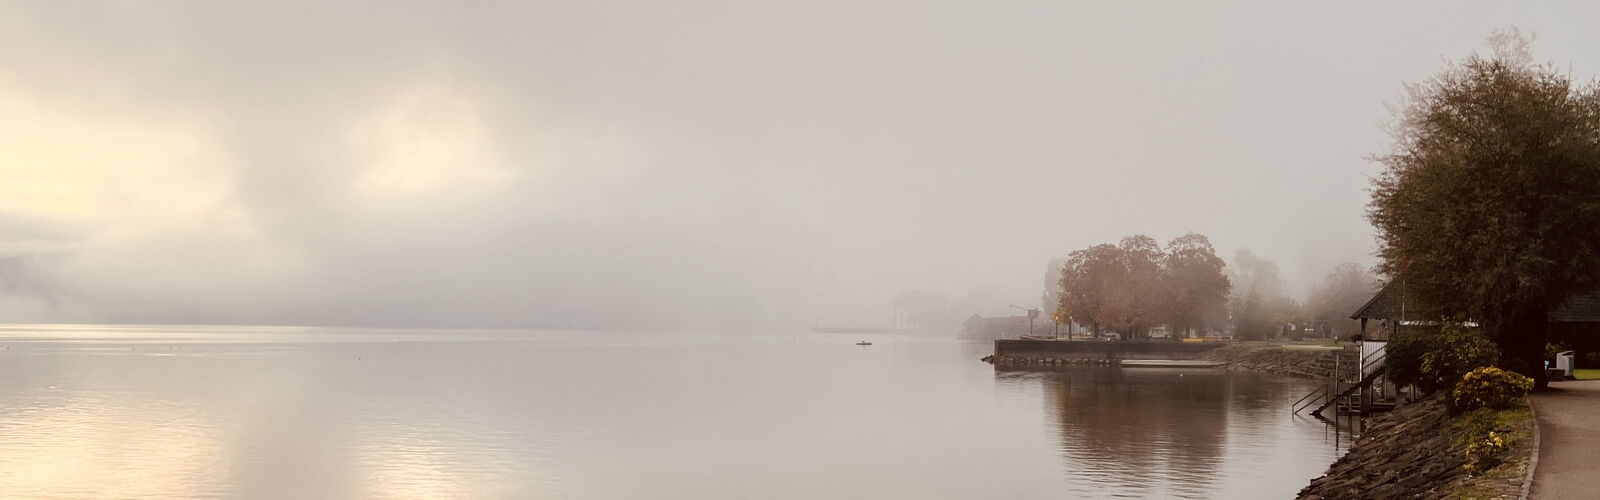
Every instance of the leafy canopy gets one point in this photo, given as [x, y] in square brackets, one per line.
[1488, 206]
[1136, 284]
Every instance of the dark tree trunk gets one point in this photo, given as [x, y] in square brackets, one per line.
[1522, 339]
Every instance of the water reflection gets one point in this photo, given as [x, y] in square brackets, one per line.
[63, 445]
[152, 412]
[1184, 433]
[164, 415]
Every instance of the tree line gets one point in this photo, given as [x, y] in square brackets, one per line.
[1136, 285]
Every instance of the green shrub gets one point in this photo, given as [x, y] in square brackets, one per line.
[1434, 358]
[1489, 387]
[1404, 353]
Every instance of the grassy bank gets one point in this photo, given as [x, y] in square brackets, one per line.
[1278, 358]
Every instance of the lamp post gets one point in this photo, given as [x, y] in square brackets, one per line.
[1032, 313]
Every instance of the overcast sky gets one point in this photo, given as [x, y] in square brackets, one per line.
[722, 165]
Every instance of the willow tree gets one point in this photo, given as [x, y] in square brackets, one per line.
[1488, 206]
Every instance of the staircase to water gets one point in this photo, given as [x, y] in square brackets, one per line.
[1355, 385]
[1334, 364]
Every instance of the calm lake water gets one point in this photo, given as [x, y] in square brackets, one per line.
[182, 412]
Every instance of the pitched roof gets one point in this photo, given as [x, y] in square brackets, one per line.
[1580, 309]
[1383, 305]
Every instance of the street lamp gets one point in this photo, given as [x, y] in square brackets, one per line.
[1032, 313]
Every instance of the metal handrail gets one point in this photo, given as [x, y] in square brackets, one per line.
[1296, 407]
[1325, 391]
[1347, 394]
[1365, 363]
[1372, 358]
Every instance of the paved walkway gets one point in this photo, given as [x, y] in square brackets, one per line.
[1569, 441]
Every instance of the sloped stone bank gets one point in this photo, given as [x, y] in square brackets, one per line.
[1420, 451]
[1276, 359]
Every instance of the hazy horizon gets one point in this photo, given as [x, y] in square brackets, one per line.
[681, 166]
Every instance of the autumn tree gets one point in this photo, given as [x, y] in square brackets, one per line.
[1193, 286]
[1488, 205]
[1135, 285]
[1088, 280]
[1135, 302]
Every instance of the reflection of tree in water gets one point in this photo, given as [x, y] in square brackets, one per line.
[1143, 432]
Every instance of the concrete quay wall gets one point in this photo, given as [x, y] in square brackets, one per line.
[1101, 350]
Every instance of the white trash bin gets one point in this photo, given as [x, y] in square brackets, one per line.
[1564, 363]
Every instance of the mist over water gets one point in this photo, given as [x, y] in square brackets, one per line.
[586, 249]
[162, 412]
[689, 166]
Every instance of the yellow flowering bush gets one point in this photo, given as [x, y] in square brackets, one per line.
[1489, 387]
[1486, 452]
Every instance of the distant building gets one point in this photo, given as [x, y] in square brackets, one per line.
[1000, 327]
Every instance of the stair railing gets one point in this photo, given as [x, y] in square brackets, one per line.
[1372, 358]
[1309, 399]
[1333, 391]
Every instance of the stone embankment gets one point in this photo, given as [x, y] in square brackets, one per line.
[1282, 359]
[1417, 451]
[1045, 353]
[1030, 362]
[1420, 451]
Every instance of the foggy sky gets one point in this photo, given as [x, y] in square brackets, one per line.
[708, 165]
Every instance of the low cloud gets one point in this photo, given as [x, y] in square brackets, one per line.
[729, 167]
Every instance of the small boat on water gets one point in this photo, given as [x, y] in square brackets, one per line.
[863, 343]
